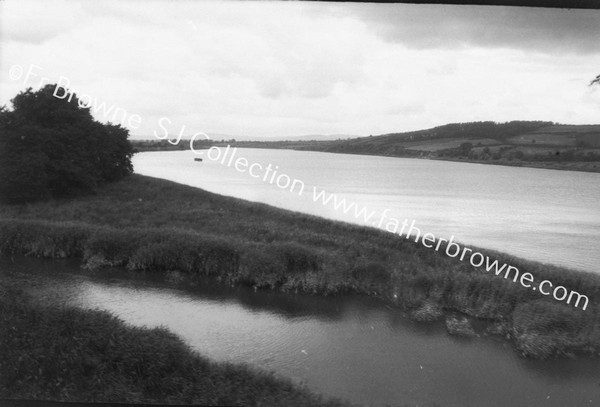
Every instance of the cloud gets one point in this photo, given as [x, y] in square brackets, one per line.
[285, 68]
[448, 26]
[31, 22]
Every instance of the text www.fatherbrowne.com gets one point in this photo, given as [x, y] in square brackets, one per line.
[406, 227]
[451, 249]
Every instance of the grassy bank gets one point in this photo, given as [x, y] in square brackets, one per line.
[50, 353]
[154, 225]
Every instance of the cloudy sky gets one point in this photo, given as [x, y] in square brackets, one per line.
[266, 69]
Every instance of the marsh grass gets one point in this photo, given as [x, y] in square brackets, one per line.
[67, 354]
[459, 326]
[143, 223]
[44, 239]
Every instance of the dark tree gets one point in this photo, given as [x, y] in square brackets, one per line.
[465, 148]
[52, 147]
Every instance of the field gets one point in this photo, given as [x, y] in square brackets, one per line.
[524, 144]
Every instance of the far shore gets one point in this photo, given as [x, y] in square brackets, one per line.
[535, 144]
[580, 166]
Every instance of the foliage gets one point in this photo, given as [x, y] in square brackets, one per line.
[52, 147]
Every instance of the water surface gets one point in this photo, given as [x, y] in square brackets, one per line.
[350, 347]
[544, 215]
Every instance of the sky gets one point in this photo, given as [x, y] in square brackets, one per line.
[282, 69]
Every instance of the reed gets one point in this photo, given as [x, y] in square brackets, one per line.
[153, 225]
[75, 355]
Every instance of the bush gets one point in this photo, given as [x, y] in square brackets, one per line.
[52, 147]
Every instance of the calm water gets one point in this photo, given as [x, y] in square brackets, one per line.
[347, 347]
[545, 215]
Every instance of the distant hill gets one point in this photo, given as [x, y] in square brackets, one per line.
[316, 137]
[227, 137]
[519, 143]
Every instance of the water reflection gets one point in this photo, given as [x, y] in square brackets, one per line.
[542, 215]
[349, 347]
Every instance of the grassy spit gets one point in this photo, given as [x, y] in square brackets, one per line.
[148, 224]
[69, 354]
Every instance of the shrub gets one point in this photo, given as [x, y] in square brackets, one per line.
[52, 147]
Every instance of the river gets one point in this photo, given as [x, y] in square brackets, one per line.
[349, 347]
[544, 215]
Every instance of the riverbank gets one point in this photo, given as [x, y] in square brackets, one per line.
[66, 354]
[517, 143]
[581, 166]
[152, 225]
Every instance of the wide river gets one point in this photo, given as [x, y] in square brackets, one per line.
[544, 215]
[349, 347]
[356, 348]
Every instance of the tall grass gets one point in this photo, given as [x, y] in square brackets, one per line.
[43, 239]
[67, 354]
[148, 224]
